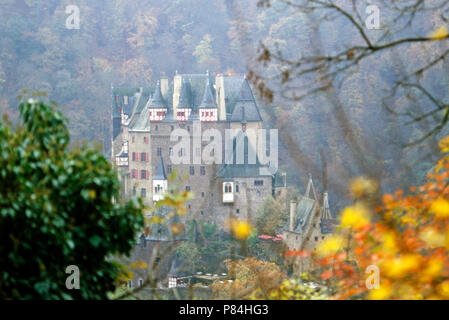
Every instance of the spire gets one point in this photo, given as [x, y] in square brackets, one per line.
[159, 174]
[157, 101]
[310, 187]
[208, 97]
[184, 96]
[326, 213]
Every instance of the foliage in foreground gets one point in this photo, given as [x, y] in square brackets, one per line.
[58, 208]
[406, 239]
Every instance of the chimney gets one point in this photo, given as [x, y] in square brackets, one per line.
[292, 215]
[164, 86]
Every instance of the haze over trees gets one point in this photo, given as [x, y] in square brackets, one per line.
[348, 101]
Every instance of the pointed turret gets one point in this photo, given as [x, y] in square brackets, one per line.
[327, 220]
[326, 213]
[157, 101]
[157, 105]
[184, 101]
[184, 109]
[208, 101]
[207, 110]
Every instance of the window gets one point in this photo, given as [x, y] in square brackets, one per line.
[202, 194]
[236, 188]
[158, 189]
[172, 128]
[143, 174]
[258, 182]
[316, 238]
[237, 211]
[169, 169]
[134, 173]
[159, 151]
[130, 284]
[170, 151]
[192, 170]
[187, 188]
[188, 128]
[228, 188]
[143, 192]
[143, 157]
[155, 128]
[202, 212]
[203, 170]
[134, 156]
[145, 140]
[134, 191]
[140, 282]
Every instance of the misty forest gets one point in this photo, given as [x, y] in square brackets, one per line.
[359, 94]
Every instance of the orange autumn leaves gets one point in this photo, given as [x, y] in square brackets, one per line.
[406, 237]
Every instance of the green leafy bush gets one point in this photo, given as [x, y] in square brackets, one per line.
[58, 207]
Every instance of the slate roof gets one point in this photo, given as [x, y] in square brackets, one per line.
[159, 174]
[184, 97]
[245, 108]
[157, 100]
[208, 96]
[118, 99]
[304, 208]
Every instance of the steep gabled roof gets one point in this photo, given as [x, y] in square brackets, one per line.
[141, 121]
[303, 211]
[159, 174]
[245, 108]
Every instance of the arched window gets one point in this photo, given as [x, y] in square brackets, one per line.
[228, 188]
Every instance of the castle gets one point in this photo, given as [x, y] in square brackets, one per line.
[148, 125]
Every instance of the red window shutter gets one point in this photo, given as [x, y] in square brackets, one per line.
[147, 174]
